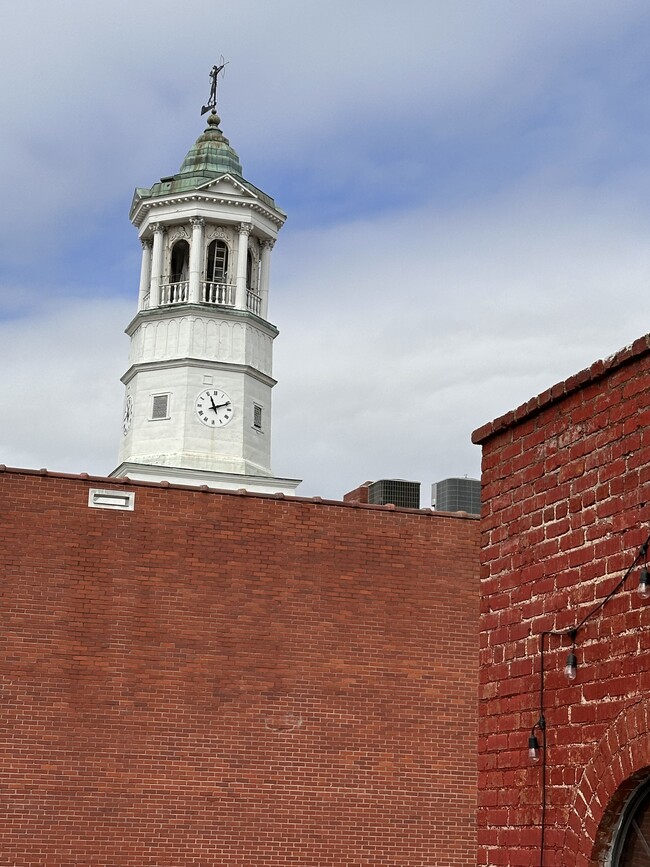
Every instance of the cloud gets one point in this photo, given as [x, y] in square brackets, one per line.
[99, 99]
[416, 330]
[61, 391]
[467, 186]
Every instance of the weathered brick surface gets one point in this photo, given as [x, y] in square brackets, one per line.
[358, 495]
[224, 679]
[566, 494]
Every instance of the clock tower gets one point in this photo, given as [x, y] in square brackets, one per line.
[197, 407]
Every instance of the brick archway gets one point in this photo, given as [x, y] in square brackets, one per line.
[620, 761]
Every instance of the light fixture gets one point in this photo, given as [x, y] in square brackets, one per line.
[571, 667]
[534, 750]
[644, 583]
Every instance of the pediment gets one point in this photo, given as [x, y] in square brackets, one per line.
[227, 185]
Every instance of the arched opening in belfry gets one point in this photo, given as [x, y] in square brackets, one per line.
[249, 271]
[216, 270]
[179, 262]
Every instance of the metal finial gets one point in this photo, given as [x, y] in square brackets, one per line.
[211, 104]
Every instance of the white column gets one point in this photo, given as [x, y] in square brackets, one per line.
[156, 264]
[196, 258]
[265, 267]
[244, 232]
[145, 273]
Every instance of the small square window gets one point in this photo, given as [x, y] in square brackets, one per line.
[160, 406]
[257, 417]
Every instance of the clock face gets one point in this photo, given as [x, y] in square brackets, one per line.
[127, 418]
[214, 407]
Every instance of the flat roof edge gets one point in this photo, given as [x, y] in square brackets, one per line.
[204, 489]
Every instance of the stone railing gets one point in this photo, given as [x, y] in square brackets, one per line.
[221, 294]
[253, 302]
[174, 293]
[218, 293]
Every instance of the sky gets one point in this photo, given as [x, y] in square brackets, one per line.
[467, 185]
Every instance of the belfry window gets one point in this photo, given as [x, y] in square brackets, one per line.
[631, 847]
[179, 262]
[249, 271]
[217, 265]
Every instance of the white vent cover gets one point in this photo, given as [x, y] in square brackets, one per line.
[160, 406]
[101, 499]
[257, 416]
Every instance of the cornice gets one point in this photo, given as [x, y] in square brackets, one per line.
[186, 361]
[144, 206]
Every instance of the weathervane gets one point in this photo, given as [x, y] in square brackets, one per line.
[214, 74]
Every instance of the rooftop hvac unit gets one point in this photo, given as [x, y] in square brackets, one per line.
[457, 495]
[405, 495]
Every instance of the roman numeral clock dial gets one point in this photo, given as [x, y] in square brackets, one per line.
[127, 418]
[214, 407]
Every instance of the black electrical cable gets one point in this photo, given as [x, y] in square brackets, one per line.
[569, 633]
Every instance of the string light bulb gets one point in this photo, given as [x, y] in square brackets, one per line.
[534, 751]
[571, 667]
[644, 583]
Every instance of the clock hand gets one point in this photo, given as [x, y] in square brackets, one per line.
[227, 403]
[214, 406]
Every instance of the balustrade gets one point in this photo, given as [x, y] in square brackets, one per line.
[174, 293]
[211, 293]
[253, 302]
[218, 293]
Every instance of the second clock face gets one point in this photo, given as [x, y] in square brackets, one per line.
[127, 418]
[214, 407]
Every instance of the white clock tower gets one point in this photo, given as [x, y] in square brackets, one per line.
[197, 408]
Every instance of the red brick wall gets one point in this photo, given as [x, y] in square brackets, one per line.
[566, 494]
[233, 680]
[358, 495]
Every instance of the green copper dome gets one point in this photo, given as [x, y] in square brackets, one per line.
[211, 155]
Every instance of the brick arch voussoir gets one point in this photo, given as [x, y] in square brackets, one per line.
[620, 760]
